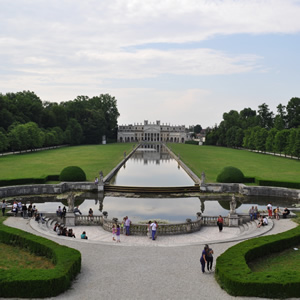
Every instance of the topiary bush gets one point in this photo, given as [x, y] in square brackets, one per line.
[72, 173]
[231, 175]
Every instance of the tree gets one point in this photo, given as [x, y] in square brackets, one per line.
[270, 141]
[3, 142]
[281, 141]
[248, 118]
[293, 113]
[265, 116]
[34, 137]
[280, 118]
[74, 132]
[197, 128]
[260, 139]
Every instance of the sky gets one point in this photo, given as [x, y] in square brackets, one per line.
[183, 62]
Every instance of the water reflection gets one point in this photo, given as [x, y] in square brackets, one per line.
[151, 165]
[171, 209]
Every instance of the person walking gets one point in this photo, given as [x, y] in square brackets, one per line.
[149, 230]
[153, 227]
[114, 232]
[220, 222]
[127, 225]
[203, 259]
[209, 258]
[3, 207]
[269, 208]
[118, 233]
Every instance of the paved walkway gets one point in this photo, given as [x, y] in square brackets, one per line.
[164, 269]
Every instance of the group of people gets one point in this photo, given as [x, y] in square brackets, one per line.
[116, 232]
[254, 213]
[61, 212]
[152, 230]
[61, 230]
[30, 211]
[206, 258]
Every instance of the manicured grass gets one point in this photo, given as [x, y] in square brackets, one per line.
[18, 258]
[285, 261]
[91, 158]
[212, 160]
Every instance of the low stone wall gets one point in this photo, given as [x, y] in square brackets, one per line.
[163, 229]
[263, 191]
[88, 221]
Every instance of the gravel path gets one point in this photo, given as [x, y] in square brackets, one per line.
[111, 271]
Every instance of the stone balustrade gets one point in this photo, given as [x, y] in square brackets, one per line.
[163, 229]
[81, 220]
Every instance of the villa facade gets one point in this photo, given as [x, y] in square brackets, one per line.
[152, 132]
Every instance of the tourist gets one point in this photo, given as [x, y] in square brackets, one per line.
[114, 232]
[256, 213]
[77, 211]
[153, 228]
[118, 233]
[34, 211]
[84, 236]
[64, 231]
[70, 233]
[24, 211]
[3, 207]
[55, 227]
[209, 258]
[15, 208]
[261, 222]
[91, 214]
[59, 212]
[64, 211]
[29, 210]
[265, 221]
[203, 259]
[96, 180]
[269, 208]
[251, 213]
[127, 225]
[19, 205]
[123, 225]
[220, 222]
[149, 230]
[277, 212]
[285, 213]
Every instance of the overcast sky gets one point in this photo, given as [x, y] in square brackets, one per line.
[181, 62]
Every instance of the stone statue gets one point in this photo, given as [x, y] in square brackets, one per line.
[232, 205]
[202, 178]
[70, 200]
[101, 177]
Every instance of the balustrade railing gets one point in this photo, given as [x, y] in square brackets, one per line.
[87, 220]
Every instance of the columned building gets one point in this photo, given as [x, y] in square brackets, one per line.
[152, 132]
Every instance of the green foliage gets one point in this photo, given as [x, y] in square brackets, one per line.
[22, 181]
[235, 276]
[231, 175]
[286, 184]
[72, 173]
[24, 283]
[192, 142]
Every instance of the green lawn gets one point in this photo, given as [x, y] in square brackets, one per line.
[91, 158]
[212, 160]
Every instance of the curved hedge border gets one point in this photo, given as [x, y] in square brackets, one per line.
[234, 275]
[39, 283]
[22, 181]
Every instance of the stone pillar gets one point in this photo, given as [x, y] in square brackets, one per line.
[188, 225]
[70, 219]
[233, 220]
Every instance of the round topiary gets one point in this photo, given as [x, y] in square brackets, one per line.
[72, 173]
[231, 175]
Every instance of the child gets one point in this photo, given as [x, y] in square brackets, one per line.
[84, 236]
[118, 234]
[114, 232]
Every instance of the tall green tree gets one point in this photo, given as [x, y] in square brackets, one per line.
[293, 113]
[265, 116]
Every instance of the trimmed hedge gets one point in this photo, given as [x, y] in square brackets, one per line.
[231, 175]
[286, 184]
[38, 283]
[72, 173]
[22, 181]
[192, 143]
[235, 276]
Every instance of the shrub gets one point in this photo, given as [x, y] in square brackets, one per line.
[25, 283]
[72, 173]
[192, 142]
[231, 175]
[23, 181]
[235, 276]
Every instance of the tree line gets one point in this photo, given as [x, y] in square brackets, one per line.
[260, 130]
[27, 122]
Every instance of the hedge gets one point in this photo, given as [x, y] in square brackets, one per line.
[21, 181]
[286, 184]
[235, 276]
[40, 283]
